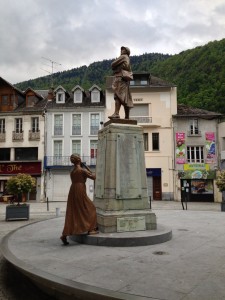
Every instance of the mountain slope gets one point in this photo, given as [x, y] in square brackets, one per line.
[199, 74]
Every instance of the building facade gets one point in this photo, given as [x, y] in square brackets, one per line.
[72, 122]
[155, 101]
[197, 154]
[21, 135]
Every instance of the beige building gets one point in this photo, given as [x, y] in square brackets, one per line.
[155, 101]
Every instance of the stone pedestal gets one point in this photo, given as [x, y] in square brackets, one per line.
[121, 195]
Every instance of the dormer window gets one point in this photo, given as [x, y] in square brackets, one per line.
[32, 97]
[95, 94]
[60, 95]
[77, 94]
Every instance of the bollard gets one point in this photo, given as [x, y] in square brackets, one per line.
[57, 211]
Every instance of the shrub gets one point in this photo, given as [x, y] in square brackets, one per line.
[220, 182]
[19, 184]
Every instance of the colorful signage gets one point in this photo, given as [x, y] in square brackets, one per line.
[197, 171]
[32, 168]
[210, 147]
[180, 147]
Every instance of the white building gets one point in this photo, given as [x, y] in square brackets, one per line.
[72, 123]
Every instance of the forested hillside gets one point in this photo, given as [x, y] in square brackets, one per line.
[95, 73]
[199, 74]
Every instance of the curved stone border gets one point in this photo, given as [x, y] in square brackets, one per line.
[56, 286]
[126, 239]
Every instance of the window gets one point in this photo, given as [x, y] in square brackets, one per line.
[76, 147]
[58, 124]
[95, 123]
[19, 125]
[57, 152]
[2, 125]
[145, 141]
[95, 95]
[140, 112]
[78, 95]
[195, 154]
[35, 124]
[93, 151]
[194, 126]
[31, 100]
[76, 124]
[60, 96]
[26, 153]
[4, 154]
[5, 100]
[155, 141]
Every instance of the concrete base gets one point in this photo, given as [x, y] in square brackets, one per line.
[126, 239]
[121, 196]
[108, 220]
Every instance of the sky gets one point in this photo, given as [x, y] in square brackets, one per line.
[38, 37]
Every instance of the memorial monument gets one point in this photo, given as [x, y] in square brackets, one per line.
[121, 195]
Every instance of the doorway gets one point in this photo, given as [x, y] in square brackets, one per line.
[157, 190]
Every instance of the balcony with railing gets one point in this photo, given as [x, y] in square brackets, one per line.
[17, 136]
[146, 121]
[142, 119]
[34, 135]
[64, 161]
[2, 136]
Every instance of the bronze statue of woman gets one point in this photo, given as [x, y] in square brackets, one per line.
[80, 211]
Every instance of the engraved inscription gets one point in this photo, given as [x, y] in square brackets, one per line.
[128, 181]
[131, 224]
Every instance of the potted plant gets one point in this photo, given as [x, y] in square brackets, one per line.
[19, 185]
[220, 182]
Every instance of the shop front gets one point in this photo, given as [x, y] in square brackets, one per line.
[13, 168]
[197, 183]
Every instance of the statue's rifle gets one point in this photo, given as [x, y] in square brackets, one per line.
[83, 165]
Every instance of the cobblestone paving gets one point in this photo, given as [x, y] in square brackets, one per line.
[14, 285]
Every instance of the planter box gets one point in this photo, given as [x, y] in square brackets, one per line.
[17, 212]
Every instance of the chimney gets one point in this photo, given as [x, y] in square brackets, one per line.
[50, 94]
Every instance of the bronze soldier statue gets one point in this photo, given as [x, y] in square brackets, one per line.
[121, 84]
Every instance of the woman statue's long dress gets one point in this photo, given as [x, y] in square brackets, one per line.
[80, 212]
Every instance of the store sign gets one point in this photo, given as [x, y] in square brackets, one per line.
[32, 168]
[197, 171]
[150, 172]
[190, 167]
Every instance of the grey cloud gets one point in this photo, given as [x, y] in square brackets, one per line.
[80, 32]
